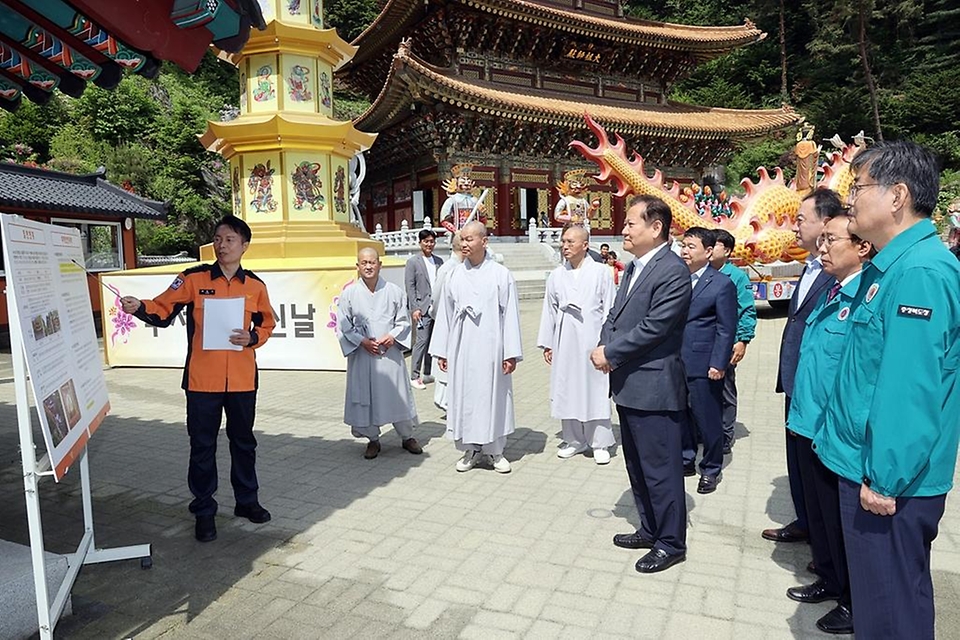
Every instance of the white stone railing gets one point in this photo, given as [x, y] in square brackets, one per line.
[407, 238]
[543, 235]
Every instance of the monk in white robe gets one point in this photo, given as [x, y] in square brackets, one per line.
[477, 343]
[373, 327]
[579, 295]
[443, 274]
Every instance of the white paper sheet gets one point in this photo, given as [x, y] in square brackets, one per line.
[220, 317]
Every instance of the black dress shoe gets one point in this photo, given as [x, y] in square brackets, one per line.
[812, 593]
[689, 470]
[632, 541]
[789, 533]
[708, 484]
[658, 560]
[728, 448]
[838, 620]
[252, 512]
[206, 529]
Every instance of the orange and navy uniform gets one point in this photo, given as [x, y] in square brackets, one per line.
[214, 371]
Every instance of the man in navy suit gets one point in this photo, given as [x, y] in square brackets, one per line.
[640, 349]
[707, 347]
[815, 209]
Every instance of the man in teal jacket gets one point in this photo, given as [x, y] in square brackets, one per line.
[843, 255]
[746, 328]
[891, 431]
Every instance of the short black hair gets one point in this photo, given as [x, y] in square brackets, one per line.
[826, 203]
[901, 161]
[707, 236]
[656, 209]
[612, 254]
[604, 244]
[725, 238]
[427, 233]
[236, 225]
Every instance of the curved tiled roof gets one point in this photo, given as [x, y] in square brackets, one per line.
[674, 120]
[398, 16]
[32, 189]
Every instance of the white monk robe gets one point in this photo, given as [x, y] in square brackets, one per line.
[575, 307]
[378, 388]
[477, 328]
[440, 377]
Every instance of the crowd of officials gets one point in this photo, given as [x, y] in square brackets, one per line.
[868, 367]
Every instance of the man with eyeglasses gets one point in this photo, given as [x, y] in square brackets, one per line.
[843, 255]
[815, 209]
[891, 432]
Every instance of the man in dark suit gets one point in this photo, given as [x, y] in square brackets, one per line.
[640, 349]
[707, 347]
[813, 214]
[419, 276]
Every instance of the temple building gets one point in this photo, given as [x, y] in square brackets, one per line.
[504, 85]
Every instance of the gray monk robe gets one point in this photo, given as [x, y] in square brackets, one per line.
[378, 387]
[477, 328]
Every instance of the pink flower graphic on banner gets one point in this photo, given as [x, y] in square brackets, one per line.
[123, 324]
[334, 306]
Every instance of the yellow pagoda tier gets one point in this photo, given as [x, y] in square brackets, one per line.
[289, 159]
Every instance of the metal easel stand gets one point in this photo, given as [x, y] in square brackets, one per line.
[48, 613]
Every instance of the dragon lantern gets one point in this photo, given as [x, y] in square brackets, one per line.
[761, 220]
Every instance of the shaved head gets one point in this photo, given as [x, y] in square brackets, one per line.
[474, 229]
[367, 252]
[577, 232]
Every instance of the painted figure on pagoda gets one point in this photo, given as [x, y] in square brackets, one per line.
[461, 206]
[573, 206]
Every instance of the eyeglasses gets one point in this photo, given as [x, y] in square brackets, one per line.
[857, 188]
[825, 242]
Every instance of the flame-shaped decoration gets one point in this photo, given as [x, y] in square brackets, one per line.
[762, 219]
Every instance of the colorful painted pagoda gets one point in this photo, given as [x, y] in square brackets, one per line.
[289, 160]
[504, 85]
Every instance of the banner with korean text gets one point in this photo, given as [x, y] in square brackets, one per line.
[304, 305]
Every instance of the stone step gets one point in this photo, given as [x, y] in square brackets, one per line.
[18, 603]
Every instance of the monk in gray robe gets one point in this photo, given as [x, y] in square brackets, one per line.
[373, 327]
[476, 341]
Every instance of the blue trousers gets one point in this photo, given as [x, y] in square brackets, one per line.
[204, 415]
[706, 413]
[652, 454]
[889, 562]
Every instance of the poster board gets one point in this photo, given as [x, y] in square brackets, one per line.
[51, 300]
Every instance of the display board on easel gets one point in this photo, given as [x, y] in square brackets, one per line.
[52, 304]
[52, 337]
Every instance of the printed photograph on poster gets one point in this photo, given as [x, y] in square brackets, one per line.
[56, 417]
[71, 406]
[45, 325]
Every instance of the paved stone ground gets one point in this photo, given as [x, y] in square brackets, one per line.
[406, 547]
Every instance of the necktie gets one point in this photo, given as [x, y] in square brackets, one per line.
[834, 290]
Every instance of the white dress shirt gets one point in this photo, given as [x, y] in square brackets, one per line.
[810, 273]
[641, 262]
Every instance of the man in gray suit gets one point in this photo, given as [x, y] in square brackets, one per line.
[640, 349]
[419, 276]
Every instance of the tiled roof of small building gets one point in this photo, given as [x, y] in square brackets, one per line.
[29, 189]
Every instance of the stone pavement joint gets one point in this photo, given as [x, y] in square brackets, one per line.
[404, 546]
